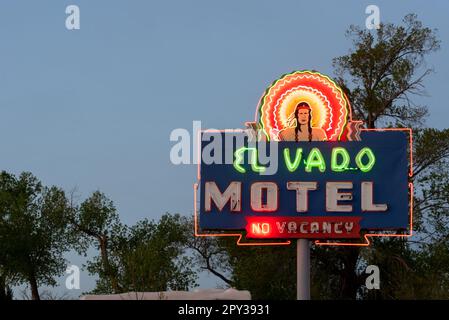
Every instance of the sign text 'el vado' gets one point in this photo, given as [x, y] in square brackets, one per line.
[333, 179]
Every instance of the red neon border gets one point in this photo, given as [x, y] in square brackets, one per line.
[316, 242]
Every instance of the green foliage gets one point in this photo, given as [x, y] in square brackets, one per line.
[93, 221]
[33, 230]
[5, 289]
[431, 183]
[209, 254]
[381, 73]
[268, 272]
[336, 272]
[149, 256]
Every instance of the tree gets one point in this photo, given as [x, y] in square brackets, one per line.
[383, 72]
[381, 76]
[96, 221]
[149, 256]
[5, 290]
[258, 269]
[7, 184]
[33, 230]
[210, 254]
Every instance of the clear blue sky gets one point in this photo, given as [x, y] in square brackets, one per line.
[94, 108]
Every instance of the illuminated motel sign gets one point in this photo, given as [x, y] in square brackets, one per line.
[304, 169]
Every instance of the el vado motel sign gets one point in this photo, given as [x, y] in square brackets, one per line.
[305, 170]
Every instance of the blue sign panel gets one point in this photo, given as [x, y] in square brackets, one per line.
[366, 180]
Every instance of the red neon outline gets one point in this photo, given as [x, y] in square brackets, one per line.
[316, 242]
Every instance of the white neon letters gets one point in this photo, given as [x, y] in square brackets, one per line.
[302, 188]
[257, 190]
[233, 194]
[264, 196]
[333, 195]
[367, 199]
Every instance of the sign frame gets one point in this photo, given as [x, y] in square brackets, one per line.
[354, 128]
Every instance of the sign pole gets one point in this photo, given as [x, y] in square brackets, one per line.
[303, 269]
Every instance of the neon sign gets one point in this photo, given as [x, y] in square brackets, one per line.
[333, 179]
[339, 160]
[325, 98]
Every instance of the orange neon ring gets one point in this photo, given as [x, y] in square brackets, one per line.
[330, 107]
